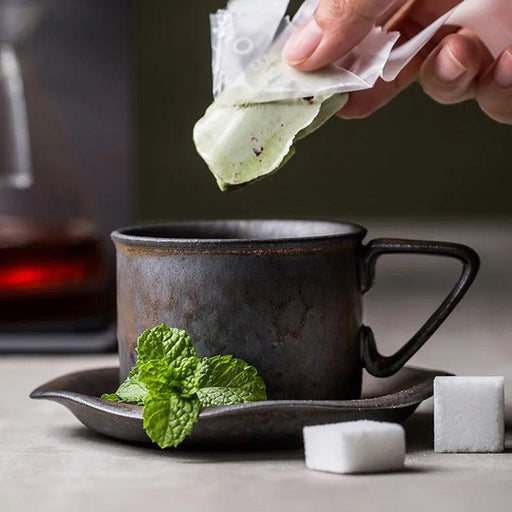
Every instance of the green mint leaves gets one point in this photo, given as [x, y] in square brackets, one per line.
[225, 380]
[132, 390]
[168, 419]
[164, 343]
[172, 384]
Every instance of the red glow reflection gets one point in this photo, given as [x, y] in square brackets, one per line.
[35, 276]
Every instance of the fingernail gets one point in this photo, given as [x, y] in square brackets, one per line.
[303, 43]
[503, 70]
[448, 67]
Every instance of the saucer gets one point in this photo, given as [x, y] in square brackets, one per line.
[273, 423]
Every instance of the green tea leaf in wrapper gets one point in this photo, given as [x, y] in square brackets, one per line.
[242, 143]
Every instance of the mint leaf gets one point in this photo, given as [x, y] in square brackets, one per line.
[181, 378]
[187, 371]
[156, 376]
[168, 419]
[164, 343]
[132, 390]
[227, 380]
[111, 397]
[212, 396]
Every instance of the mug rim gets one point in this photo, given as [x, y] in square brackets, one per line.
[134, 235]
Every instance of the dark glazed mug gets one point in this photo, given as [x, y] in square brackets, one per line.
[286, 296]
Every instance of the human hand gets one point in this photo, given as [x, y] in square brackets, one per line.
[453, 67]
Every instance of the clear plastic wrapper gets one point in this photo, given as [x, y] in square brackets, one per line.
[240, 33]
[247, 64]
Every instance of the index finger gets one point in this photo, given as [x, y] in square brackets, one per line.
[335, 28]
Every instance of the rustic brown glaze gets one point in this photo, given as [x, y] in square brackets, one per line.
[286, 296]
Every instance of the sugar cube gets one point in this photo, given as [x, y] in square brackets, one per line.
[355, 447]
[468, 414]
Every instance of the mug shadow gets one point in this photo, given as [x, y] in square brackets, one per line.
[197, 456]
[185, 455]
[419, 434]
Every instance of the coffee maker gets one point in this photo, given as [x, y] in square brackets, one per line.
[65, 170]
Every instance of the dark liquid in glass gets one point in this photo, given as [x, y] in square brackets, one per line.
[51, 276]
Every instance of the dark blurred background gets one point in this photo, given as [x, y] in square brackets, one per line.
[77, 67]
[83, 55]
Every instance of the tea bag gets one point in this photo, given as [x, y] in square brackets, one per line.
[262, 106]
[242, 143]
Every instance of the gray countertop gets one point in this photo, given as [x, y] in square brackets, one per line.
[50, 462]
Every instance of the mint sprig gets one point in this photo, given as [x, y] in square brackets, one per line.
[172, 384]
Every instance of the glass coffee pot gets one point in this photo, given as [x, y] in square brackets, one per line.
[52, 270]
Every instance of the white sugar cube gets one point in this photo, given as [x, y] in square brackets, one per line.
[468, 414]
[355, 447]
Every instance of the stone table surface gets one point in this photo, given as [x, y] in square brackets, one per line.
[50, 462]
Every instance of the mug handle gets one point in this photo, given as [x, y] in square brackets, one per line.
[384, 366]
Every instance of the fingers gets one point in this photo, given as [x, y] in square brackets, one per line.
[449, 74]
[494, 92]
[461, 68]
[363, 103]
[336, 27]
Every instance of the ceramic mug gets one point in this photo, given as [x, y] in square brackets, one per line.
[284, 295]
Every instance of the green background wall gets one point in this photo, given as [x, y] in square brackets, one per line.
[413, 158]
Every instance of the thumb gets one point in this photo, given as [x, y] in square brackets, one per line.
[335, 28]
